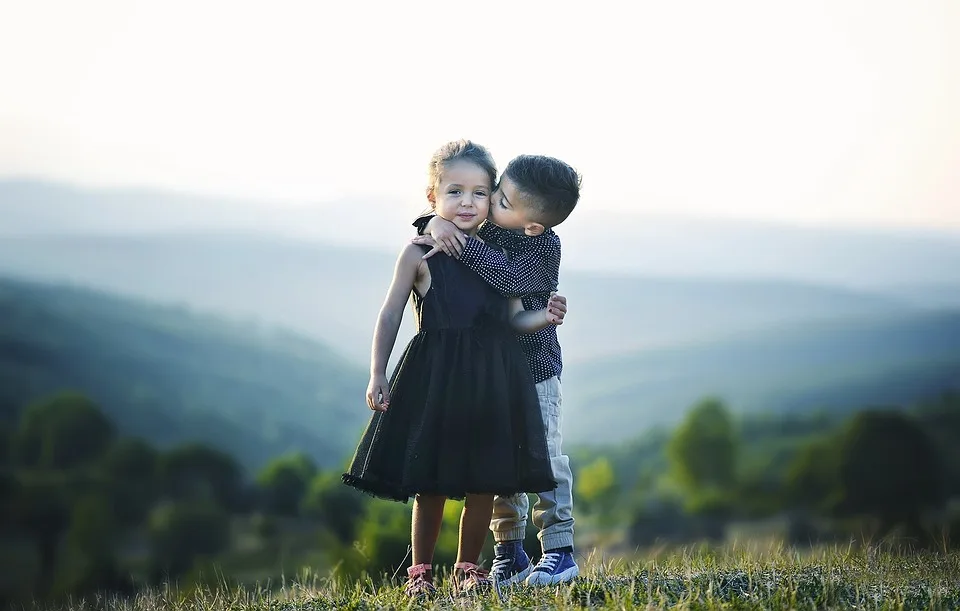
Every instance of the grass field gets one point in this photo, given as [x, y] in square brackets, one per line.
[754, 577]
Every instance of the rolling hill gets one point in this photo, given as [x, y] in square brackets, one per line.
[594, 239]
[837, 365]
[171, 375]
[658, 316]
[333, 293]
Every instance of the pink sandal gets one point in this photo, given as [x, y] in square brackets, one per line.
[469, 577]
[418, 584]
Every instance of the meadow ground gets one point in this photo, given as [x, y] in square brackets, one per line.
[734, 577]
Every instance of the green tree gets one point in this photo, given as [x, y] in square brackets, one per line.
[889, 468]
[42, 510]
[182, 532]
[131, 458]
[132, 467]
[6, 445]
[284, 481]
[812, 476]
[702, 453]
[9, 497]
[941, 420]
[196, 472]
[384, 537]
[596, 484]
[63, 431]
[340, 508]
[91, 538]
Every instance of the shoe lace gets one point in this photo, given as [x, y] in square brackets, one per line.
[550, 560]
[502, 564]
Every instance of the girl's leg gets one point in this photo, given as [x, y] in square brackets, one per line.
[474, 525]
[425, 527]
[424, 532]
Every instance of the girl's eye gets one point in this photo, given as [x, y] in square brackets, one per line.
[480, 193]
[454, 191]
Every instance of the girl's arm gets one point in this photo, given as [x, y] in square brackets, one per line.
[531, 321]
[388, 325]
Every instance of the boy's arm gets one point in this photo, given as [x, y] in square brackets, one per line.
[531, 268]
[491, 232]
[445, 235]
[531, 321]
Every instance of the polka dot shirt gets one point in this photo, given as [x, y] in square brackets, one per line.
[530, 271]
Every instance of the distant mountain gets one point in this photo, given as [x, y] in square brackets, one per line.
[869, 259]
[32, 207]
[334, 293]
[662, 311]
[171, 375]
[594, 240]
[942, 296]
[841, 364]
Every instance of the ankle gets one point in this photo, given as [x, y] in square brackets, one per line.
[510, 544]
[421, 571]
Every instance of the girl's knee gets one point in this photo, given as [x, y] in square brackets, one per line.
[479, 499]
[429, 500]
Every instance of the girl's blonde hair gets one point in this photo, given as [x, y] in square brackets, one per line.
[458, 150]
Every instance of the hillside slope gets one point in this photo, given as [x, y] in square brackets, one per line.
[842, 364]
[170, 375]
[334, 293]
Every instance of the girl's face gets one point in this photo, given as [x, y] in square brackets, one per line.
[462, 195]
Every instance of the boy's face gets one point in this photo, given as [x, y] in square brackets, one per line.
[510, 209]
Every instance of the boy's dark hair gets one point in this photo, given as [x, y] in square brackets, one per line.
[552, 186]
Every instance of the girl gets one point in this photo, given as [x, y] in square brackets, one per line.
[460, 418]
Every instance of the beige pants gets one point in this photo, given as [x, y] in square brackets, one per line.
[553, 511]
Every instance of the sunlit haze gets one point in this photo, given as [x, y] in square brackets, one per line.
[817, 112]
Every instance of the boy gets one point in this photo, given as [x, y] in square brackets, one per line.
[535, 194]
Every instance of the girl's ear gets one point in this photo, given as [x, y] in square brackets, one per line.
[431, 196]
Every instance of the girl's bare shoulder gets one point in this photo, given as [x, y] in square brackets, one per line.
[411, 255]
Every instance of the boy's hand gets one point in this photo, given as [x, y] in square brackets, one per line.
[378, 394]
[444, 236]
[556, 309]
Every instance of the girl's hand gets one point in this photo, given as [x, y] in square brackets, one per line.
[556, 309]
[378, 394]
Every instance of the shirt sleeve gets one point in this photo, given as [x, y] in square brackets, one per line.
[510, 240]
[533, 268]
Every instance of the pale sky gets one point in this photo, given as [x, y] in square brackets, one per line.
[824, 111]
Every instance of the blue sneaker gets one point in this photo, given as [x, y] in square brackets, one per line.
[553, 568]
[510, 563]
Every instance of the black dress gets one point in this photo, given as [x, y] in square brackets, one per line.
[464, 415]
